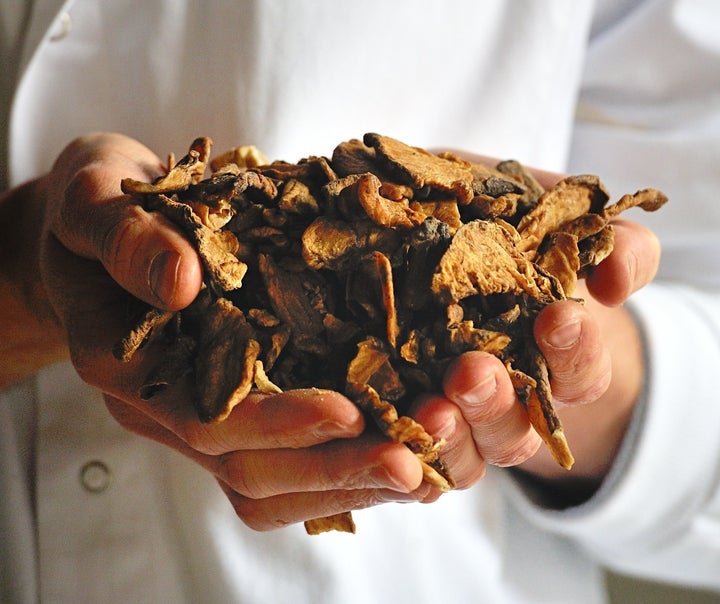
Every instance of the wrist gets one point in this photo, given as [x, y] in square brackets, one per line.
[32, 334]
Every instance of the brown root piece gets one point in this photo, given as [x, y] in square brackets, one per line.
[342, 522]
[225, 363]
[187, 171]
[176, 363]
[224, 271]
[290, 304]
[245, 156]
[150, 323]
[384, 271]
[383, 211]
[423, 169]
[561, 257]
[649, 200]
[483, 259]
[571, 198]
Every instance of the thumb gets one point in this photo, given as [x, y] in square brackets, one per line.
[142, 251]
[149, 258]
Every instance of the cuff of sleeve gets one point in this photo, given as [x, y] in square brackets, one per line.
[666, 468]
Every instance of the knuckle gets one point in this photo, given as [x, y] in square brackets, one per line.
[234, 471]
[255, 516]
[581, 392]
[467, 475]
[82, 188]
[118, 245]
[491, 411]
[507, 457]
[357, 499]
[584, 380]
[198, 436]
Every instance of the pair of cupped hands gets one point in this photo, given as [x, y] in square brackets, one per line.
[304, 454]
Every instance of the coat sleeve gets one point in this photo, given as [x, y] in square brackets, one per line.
[649, 116]
[657, 514]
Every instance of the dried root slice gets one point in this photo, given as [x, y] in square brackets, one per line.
[342, 522]
[420, 168]
[245, 156]
[535, 394]
[225, 361]
[224, 271]
[483, 259]
[262, 381]
[189, 170]
[176, 363]
[384, 270]
[149, 324]
[554, 438]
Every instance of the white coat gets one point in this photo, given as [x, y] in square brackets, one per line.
[90, 513]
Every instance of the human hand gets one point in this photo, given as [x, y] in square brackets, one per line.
[280, 459]
[595, 360]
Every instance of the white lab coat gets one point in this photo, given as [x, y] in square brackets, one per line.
[140, 523]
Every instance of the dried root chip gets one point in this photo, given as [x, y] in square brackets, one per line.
[420, 168]
[482, 260]
[224, 272]
[262, 381]
[187, 171]
[342, 522]
[245, 156]
[151, 322]
[569, 199]
[225, 361]
[176, 363]
[368, 273]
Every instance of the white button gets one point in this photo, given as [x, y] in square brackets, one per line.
[95, 476]
[62, 28]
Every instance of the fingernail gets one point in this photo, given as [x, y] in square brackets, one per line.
[565, 335]
[480, 392]
[163, 275]
[390, 496]
[329, 429]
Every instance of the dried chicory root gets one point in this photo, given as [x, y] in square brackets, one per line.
[379, 265]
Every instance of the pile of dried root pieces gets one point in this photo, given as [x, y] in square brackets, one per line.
[368, 273]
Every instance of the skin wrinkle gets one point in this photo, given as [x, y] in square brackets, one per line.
[633, 262]
[164, 263]
[593, 386]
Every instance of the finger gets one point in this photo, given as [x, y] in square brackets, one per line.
[366, 463]
[444, 420]
[579, 362]
[369, 462]
[361, 463]
[136, 421]
[283, 510]
[142, 251]
[300, 423]
[479, 385]
[247, 466]
[293, 419]
[632, 264]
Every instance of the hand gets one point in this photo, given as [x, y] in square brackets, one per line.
[595, 359]
[280, 459]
